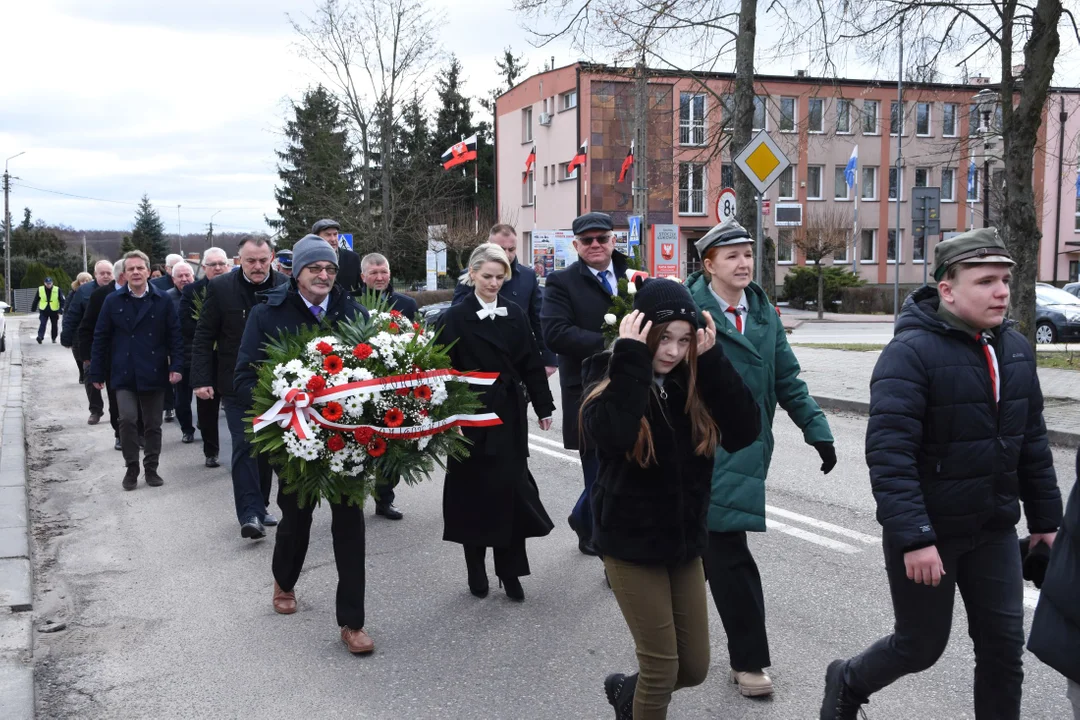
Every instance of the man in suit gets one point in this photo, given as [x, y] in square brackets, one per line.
[69, 334]
[521, 288]
[348, 278]
[572, 316]
[178, 402]
[166, 281]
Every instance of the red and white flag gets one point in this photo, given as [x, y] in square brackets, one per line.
[459, 153]
[579, 159]
[627, 162]
[529, 162]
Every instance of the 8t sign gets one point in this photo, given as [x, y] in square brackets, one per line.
[725, 205]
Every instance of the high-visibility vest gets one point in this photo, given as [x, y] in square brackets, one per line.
[54, 303]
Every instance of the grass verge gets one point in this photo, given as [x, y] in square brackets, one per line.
[1066, 360]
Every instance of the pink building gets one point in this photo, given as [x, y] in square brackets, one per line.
[816, 123]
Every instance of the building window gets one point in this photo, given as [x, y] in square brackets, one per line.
[840, 257]
[922, 177]
[870, 110]
[890, 252]
[974, 181]
[564, 175]
[691, 189]
[727, 110]
[787, 183]
[918, 248]
[1078, 213]
[922, 119]
[691, 119]
[868, 246]
[949, 119]
[814, 182]
[545, 175]
[785, 249]
[761, 117]
[568, 100]
[528, 188]
[841, 190]
[869, 183]
[787, 114]
[948, 184]
[816, 120]
[896, 185]
[727, 175]
[526, 125]
[896, 117]
[843, 117]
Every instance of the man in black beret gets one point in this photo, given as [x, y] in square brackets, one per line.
[572, 316]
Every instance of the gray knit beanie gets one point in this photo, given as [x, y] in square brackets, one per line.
[311, 249]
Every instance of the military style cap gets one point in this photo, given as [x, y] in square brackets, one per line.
[592, 221]
[729, 232]
[325, 225]
[975, 246]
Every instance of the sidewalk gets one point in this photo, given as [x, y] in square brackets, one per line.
[840, 380]
[793, 318]
[16, 594]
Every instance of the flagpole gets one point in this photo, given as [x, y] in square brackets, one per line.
[476, 195]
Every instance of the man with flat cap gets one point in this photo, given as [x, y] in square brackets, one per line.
[572, 317]
[348, 278]
[955, 443]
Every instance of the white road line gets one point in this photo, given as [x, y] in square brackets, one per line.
[548, 441]
[812, 537]
[553, 453]
[1031, 597]
[822, 525]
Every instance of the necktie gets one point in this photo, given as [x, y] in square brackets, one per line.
[317, 311]
[738, 318]
[989, 353]
[603, 276]
[485, 313]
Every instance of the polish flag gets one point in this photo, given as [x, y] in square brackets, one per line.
[579, 159]
[627, 162]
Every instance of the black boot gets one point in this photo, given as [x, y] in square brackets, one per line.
[513, 588]
[131, 477]
[841, 702]
[474, 562]
[619, 689]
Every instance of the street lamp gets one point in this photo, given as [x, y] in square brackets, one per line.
[210, 235]
[7, 230]
[986, 101]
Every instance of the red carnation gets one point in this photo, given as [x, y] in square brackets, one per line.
[363, 435]
[417, 329]
[422, 392]
[377, 447]
[362, 351]
[393, 327]
[395, 313]
[333, 364]
[423, 413]
[324, 348]
[316, 383]
[394, 417]
[336, 443]
[333, 411]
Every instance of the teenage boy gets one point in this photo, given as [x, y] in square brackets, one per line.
[955, 442]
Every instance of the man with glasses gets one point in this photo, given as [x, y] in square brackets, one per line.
[215, 344]
[572, 316]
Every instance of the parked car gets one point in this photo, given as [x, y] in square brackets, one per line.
[4, 307]
[1073, 288]
[1057, 315]
[431, 312]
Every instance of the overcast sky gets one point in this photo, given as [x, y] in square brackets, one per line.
[183, 100]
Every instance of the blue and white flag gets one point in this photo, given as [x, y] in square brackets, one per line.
[1078, 185]
[853, 163]
[971, 179]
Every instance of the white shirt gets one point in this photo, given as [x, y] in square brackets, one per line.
[146, 289]
[324, 304]
[724, 305]
[612, 281]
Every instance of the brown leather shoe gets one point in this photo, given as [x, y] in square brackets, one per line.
[752, 684]
[358, 641]
[284, 602]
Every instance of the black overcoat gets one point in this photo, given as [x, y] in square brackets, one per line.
[490, 497]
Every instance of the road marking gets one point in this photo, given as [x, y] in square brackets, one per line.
[812, 537]
[547, 441]
[553, 453]
[822, 525]
[1031, 597]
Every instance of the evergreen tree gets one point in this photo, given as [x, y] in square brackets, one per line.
[148, 234]
[319, 177]
[453, 123]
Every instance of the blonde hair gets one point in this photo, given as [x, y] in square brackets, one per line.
[488, 252]
[81, 279]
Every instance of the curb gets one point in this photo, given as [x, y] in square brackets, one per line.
[1064, 438]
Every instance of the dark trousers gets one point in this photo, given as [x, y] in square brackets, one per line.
[582, 512]
[736, 589]
[94, 399]
[347, 530]
[78, 363]
[207, 411]
[149, 405]
[44, 318]
[510, 561]
[250, 476]
[384, 492]
[114, 411]
[182, 393]
[987, 570]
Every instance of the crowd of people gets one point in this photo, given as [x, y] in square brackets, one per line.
[673, 424]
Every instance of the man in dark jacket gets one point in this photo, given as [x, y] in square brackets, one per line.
[1055, 629]
[229, 299]
[521, 288]
[955, 442]
[214, 264]
[572, 316]
[50, 303]
[69, 332]
[139, 331]
[309, 298]
[375, 275]
[348, 278]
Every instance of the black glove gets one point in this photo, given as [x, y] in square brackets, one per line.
[828, 456]
[1036, 560]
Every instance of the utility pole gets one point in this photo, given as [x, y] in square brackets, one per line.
[85, 267]
[210, 234]
[179, 237]
[899, 169]
[641, 153]
[7, 231]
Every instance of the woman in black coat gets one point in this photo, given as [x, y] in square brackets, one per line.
[490, 499]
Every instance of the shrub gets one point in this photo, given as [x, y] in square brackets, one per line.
[35, 275]
[801, 283]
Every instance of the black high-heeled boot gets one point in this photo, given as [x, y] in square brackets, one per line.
[619, 689]
[513, 588]
[474, 562]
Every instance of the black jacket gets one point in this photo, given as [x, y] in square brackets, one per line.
[572, 317]
[402, 303]
[73, 315]
[348, 277]
[163, 283]
[89, 320]
[189, 319]
[657, 515]
[281, 310]
[1055, 629]
[523, 289]
[945, 459]
[229, 299]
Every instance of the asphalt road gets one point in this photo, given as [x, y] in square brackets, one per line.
[168, 610]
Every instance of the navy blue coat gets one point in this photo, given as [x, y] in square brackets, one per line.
[402, 303]
[138, 340]
[73, 314]
[1055, 630]
[163, 283]
[523, 289]
[945, 459]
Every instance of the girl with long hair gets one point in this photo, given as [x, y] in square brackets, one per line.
[656, 407]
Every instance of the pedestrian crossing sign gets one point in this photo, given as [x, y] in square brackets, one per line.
[762, 161]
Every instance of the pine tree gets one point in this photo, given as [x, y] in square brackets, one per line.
[319, 177]
[148, 234]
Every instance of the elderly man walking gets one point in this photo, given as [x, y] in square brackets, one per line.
[575, 302]
[166, 281]
[50, 303]
[178, 402]
[137, 338]
[69, 333]
[348, 278]
[229, 299]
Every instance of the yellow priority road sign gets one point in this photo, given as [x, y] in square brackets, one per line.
[762, 161]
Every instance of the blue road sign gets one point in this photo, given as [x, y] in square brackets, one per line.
[345, 239]
[634, 236]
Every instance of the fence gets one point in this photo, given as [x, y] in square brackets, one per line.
[25, 299]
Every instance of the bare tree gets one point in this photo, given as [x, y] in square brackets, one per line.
[827, 230]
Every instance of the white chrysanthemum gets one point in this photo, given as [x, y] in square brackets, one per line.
[281, 387]
[422, 443]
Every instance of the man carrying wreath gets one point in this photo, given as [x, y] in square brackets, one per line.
[308, 299]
